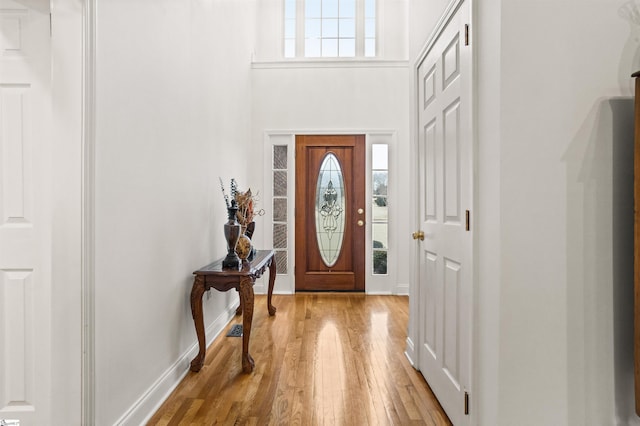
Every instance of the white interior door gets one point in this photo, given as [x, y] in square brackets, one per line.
[25, 212]
[445, 164]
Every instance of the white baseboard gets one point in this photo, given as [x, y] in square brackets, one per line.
[259, 288]
[402, 289]
[147, 405]
[410, 353]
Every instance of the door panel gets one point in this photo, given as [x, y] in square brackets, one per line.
[25, 212]
[445, 186]
[315, 212]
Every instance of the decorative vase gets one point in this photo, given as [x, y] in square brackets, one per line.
[251, 226]
[243, 248]
[232, 232]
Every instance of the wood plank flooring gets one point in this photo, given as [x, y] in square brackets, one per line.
[323, 359]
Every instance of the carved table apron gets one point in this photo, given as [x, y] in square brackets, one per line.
[214, 276]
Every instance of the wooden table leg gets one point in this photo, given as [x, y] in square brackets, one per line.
[239, 308]
[246, 297]
[272, 280]
[196, 311]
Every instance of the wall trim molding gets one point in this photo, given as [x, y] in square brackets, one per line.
[88, 212]
[402, 289]
[410, 353]
[150, 401]
[328, 63]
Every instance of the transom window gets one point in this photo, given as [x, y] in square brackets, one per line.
[329, 28]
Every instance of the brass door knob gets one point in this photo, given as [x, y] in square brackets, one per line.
[418, 235]
[361, 223]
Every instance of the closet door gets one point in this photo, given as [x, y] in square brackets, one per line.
[25, 212]
[445, 167]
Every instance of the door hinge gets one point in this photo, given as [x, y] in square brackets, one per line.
[467, 220]
[466, 34]
[466, 403]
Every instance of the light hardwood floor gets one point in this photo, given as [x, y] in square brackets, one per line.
[323, 359]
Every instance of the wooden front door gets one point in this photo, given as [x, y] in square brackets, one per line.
[330, 218]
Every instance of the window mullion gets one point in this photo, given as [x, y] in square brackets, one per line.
[332, 29]
[300, 37]
[359, 29]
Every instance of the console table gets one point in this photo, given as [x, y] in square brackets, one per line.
[214, 276]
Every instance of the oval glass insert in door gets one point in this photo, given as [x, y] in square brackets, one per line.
[330, 205]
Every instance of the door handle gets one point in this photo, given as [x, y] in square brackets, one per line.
[418, 235]
[361, 223]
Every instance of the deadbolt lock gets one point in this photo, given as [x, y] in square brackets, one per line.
[361, 223]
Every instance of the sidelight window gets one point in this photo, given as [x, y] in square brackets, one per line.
[379, 207]
[280, 202]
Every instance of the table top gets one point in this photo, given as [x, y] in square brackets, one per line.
[260, 259]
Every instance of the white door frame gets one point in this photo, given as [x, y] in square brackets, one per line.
[414, 327]
[384, 284]
[88, 213]
[73, 100]
[67, 216]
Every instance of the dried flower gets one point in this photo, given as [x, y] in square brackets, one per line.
[226, 197]
[234, 188]
[245, 202]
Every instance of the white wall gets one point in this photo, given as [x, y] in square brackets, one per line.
[488, 308]
[555, 274]
[66, 84]
[566, 139]
[173, 96]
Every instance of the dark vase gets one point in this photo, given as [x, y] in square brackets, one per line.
[251, 227]
[232, 231]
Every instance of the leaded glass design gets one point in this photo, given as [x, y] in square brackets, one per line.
[280, 200]
[330, 206]
[280, 210]
[280, 235]
[280, 157]
[280, 183]
[281, 262]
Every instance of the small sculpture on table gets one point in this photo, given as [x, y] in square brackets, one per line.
[244, 249]
[232, 231]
